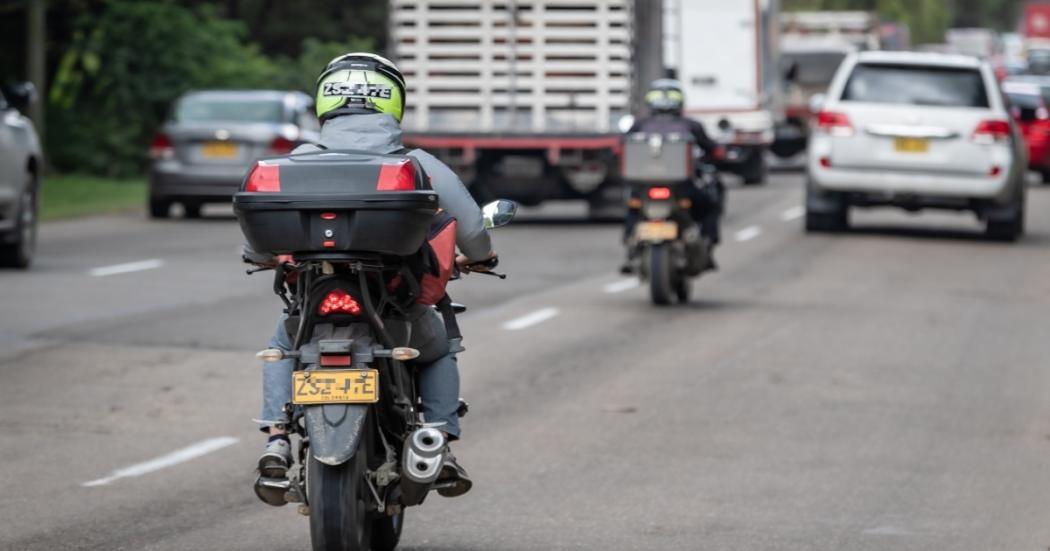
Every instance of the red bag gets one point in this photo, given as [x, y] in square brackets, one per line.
[439, 254]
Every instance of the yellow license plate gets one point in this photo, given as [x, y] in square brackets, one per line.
[219, 150]
[656, 231]
[911, 145]
[329, 386]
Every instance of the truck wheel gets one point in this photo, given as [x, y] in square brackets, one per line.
[756, 170]
[18, 252]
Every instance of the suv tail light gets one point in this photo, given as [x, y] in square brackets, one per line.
[991, 132]
[264, 178]
[834, 123]
[339, 301]
[399, 176]
[281, 146]
[161, 147]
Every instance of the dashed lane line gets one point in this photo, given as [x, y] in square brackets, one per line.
[188, 453]
[621, 285]
[530, 319]
[128, 267]
[748, 233]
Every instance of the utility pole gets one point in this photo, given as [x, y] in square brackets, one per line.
[648, 47]
[36, 60]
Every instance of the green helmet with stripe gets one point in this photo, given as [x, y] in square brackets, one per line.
[665, 96]
[358, 83]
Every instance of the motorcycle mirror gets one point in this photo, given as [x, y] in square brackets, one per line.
[625, 123]
[499, 213]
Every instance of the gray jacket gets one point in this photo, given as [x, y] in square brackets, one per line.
[382, 134]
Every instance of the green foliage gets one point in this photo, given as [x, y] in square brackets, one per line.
[68, 196]
[125, 66]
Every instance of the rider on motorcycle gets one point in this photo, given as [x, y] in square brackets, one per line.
[371, 122]
[665, 100]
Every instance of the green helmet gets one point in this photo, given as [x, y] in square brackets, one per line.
[665, 96]
[360, 83]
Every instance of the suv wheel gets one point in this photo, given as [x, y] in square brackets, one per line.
[18, 252]
[159, 208]
[1007, 229]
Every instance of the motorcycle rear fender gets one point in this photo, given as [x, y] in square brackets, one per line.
[335, 430]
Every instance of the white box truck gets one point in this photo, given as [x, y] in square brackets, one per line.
[520, 97]
[725, 54]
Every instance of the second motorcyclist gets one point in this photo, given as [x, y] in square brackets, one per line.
[665, 101]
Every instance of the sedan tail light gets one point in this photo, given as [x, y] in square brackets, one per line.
[161, 147]
[281, 146]
[264, 178]
[834, 123]
[990, 132]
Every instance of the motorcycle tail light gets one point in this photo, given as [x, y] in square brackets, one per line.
[339, 301]
[264, 178]
[399, 176]
[336, 361]
[659, 193]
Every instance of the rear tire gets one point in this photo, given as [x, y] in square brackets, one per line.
[19, 252]
[159, 208]
[826, 222]
[386, 532]
[191, 211]
[660, 278]
[1008, 230]
[756, 171]
[339, 501]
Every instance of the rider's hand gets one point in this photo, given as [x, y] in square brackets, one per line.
[467, 265]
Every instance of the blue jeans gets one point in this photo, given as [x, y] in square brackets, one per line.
[438, 374]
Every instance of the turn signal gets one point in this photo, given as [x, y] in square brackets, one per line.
[404, 353]
[659, 193]
[270, 355]
[339, 302]
[399, 176]
[264, 178]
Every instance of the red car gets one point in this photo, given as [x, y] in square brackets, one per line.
[1029, 105]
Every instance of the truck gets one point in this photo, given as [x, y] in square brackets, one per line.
[812, 46]
[521, 98]
[725, 55]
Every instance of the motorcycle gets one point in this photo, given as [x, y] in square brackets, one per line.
[364, 453]
[666, 245]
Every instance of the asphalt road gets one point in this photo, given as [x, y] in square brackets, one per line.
[881, 389]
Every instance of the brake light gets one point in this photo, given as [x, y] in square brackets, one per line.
[339, 302]
[659, 193]
[161, 147]
[281, 146]
[825, 162]
[264, 178]
[834, 123]
[991, 131]
[399, 176]
[336, 361]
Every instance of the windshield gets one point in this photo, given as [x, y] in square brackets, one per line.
[916, 85]
[814, 67]
[1025, 101]
[229, 110]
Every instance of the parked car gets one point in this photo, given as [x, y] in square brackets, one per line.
[916, 131]
[1030, 108]
[211, 138]
[21, 161]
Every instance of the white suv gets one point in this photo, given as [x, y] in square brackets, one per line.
[916, 131]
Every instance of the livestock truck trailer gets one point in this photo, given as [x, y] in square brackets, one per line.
[521, 98]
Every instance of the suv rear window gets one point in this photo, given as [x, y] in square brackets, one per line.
[916, 85]
[229, 110]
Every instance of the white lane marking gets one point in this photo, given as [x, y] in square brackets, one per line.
[139, 266]
[793, 213]
[528, 320]
[194, 451]
[621, 286]
[748, 233]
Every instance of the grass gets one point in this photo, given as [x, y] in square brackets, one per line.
[72, 195]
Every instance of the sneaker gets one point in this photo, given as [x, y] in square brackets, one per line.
[275, 461]
[627, 268]
[272, 484]
[453, 480]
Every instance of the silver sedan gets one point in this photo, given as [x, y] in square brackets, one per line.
[21, 160]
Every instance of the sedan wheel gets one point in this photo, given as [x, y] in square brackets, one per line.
[18, 253]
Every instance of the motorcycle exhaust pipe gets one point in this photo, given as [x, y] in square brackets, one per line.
[422, 459]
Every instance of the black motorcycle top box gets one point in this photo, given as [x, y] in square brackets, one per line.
[336, 201]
